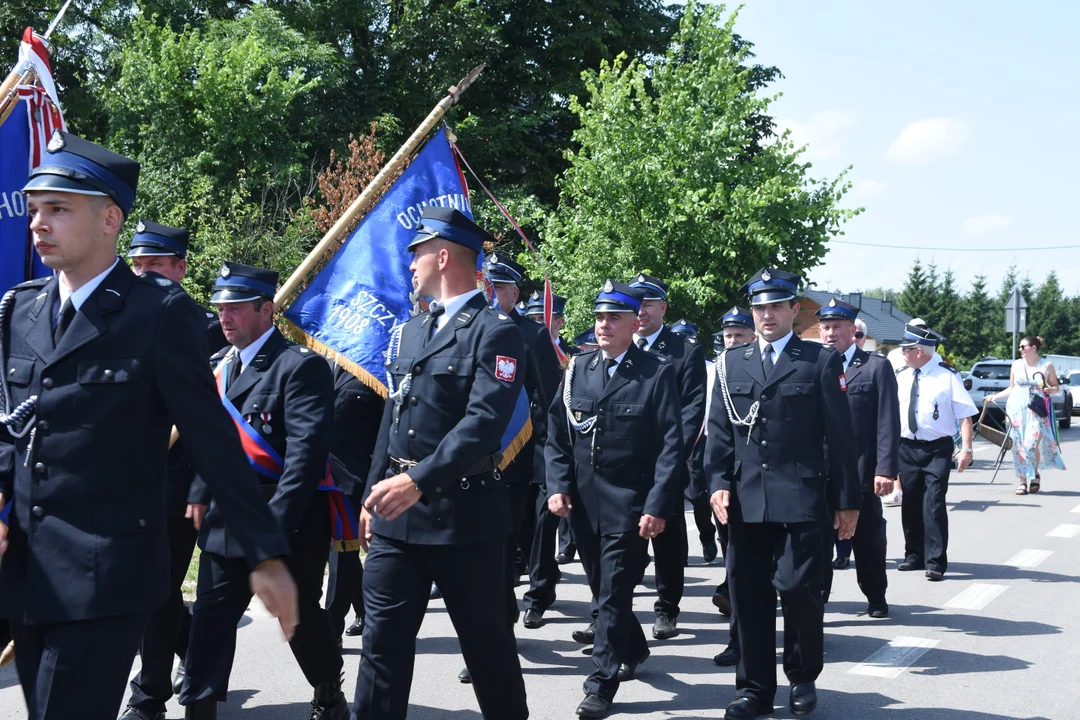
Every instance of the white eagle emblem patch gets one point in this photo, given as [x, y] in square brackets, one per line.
[505, 368]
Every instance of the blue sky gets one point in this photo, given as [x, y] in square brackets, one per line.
[961, 121]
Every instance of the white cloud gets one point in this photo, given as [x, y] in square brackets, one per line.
[925, 141]
[867, 188]
[823, 133]
[986, 224]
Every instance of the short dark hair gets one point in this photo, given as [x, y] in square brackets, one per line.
[1033, 340]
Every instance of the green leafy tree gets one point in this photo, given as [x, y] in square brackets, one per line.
[1049, 317]
[976, 328]
[918, 297]
[947, 309]
[672, 176]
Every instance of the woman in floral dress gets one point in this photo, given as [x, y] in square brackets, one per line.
[1034, 444]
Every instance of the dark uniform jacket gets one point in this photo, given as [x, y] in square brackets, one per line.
[875, 416]
[87, 530]
[542, 375]
[181, 472]
[689, 361]
[357, 415]
[630, 463]
[780, 475]
[567, 348]
[294, 388]
[464, 384]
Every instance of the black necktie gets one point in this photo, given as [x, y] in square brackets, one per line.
[67, 314]
[609, 365]
[643, 343]
[913, 401]
[766, 359]
[436, 310]
[235, 368]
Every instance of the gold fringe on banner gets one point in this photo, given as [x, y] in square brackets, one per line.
[345, 545]
[517, 444]
[326, 351]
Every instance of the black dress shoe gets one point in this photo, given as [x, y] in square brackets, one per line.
[436, 593]
[201, 710]
[745, 708]
[134, 713]
[665, 626]
[593, 706]
[722, 602]
[533, 619]
[910, 564]
[627, 670]
[586, 636]
[329, 703]
[357, 628]
[878, 609]
[178, 678]
[465, 676]
[728, 658]
[563, 559]
[803, 698]
[935, 575]
[841, 563]
[709, 551]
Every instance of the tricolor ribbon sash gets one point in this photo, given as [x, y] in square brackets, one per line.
[265, 461]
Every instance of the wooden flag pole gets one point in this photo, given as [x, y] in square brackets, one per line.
[362, 203]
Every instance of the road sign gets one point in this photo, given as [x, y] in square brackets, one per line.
[1015, 315]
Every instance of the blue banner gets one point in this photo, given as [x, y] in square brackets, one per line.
[16, 256]
[350, 309]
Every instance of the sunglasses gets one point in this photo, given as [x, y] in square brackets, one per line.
[859, 335]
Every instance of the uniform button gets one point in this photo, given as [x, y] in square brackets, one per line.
[599, 431]
[764, 466]
[38, 511]
[142, 522]
[43, 425]
[450, 368]
[255, 406]
[438, 490]
[764, 443]
[417, 368]
[412, 433]
[11, 371]
[599, 450]
[764, 421]
[764, 396]
[39, 467]
[414, 401]
[109, 374]
[47, 383]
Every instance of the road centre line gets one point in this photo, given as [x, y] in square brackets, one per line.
[976, 597]
[890, 661]
[1064, 531]
[1029, 558]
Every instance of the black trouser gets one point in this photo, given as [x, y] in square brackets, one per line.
[703, 518]
[616, 563]
[924, 477]
[518, 494]
[767, 558]
[76, 669]
[567, 546]
[526, 530]
[397, 583]
[344, 588]
[168, 629]
[868, 544]
[223, 595]
[670, 550]
[544, 573]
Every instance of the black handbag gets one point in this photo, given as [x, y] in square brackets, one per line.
[1037, 401]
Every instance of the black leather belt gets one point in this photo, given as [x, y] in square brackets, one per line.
[925, 443]
[486, 466]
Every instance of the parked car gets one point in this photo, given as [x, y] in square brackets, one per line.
[991, 376]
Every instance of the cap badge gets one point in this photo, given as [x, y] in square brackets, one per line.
[225, 271]
[141, 227]
[608, 287]
[832, 303]
[56, 142]
[641, 278]
[535, 295]
[766, 275]
[495, 259]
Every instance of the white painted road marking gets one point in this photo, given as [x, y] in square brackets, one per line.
[976, 597]
[1064, 531]
[1029, 558]
[891, 660]
[1076, 509]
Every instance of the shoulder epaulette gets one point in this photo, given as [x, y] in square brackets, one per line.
[949, 367]
[160, 282]
[35, 284]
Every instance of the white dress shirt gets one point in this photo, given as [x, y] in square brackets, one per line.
[777, 346]
[848, 354]
[453, 305]
[617, 360]
[247, 355]
[650, 339]
[941, 392]
[78, 297]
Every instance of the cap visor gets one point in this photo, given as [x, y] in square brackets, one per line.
[613, 308]
[224, 297]
[58, 183]
[147, 251]
[771, 296]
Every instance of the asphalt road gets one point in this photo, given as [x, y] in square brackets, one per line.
[999, 638]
